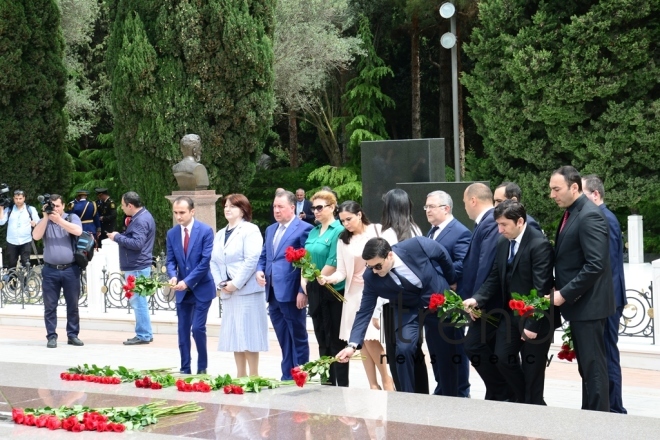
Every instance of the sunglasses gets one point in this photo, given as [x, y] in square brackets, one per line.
[318, 208]
[378, 266]
[19, 192]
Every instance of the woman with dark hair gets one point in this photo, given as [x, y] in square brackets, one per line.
[350, 267]
[324, 308]
[236, 252]
[398, 225]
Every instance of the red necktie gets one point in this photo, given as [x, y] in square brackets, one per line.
[127, 221]
[186, 239]
[563, 221]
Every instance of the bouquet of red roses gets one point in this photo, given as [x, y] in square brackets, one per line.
[301, 259]
[450, 305]
[567, 352]
[531, 305]
[141, 285]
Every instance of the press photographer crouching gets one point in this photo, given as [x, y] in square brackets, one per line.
[20, 218]
[60, 271]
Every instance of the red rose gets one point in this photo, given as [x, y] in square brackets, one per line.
[300, 254]
[300, 379]
[63, 376]
[30, 420]
[156, 386]
[139, 384]
[102, 426]
[237, 389]
[437, 300]
[53, 423]
[290, 254]
[130, 279]
[69, 422]
[116, 380]
[512, 304]
[18, 415]
[128, 295]
[41, 421]
[118, 427]
[227, 389]
[91, 424]
[78, 427]
[561, 355]
[188, 387]
[180, 385]
[565, 347]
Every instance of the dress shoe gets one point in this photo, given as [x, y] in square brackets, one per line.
[135, 341]
[52, 343]
[201, 372]
[184, 372]
[75, 341]
[135, 337]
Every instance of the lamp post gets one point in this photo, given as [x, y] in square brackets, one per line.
[448, 41]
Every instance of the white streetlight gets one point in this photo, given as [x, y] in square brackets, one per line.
[448, 41]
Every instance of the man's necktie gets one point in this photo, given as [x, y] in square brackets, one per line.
[432, 231]
[127, 221]
[563, 221]
[512, 253]
[186, 240]
[278, 237]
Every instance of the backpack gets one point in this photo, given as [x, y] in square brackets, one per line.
[11, 209]
[83, 248]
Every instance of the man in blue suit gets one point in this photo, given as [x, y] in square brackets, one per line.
[304, 207]
[286, 300]
[593, 188]
[405, 275]
[189, 248]
[477, 264]
[455, 237]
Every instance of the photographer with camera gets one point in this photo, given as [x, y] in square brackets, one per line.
[20, 218]
[60, 271]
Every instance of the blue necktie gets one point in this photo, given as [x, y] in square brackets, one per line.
[432, 232]
[512, 254]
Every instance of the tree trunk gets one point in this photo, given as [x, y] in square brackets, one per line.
[414, 73]
[293, 138]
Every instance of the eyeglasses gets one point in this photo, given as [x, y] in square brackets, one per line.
[19, 192]
[318, 208]
[427, 207]
[378, 266]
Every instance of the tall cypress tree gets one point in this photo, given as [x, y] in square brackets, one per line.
[559, 83]
[181, 67]
[32, 97]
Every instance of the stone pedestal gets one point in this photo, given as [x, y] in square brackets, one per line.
[635, 239]
[204, 205]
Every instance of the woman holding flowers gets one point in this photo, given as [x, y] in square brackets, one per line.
[350, 267]
[236, 251]
[324, 308]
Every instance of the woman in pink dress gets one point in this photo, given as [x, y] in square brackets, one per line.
[350, 267]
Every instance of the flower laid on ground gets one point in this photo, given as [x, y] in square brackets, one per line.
[198, 386]
[450, 306]
[233, 389]
[299, 376]
[567, 352]
[301, 259]
[320, 367]
[143, 286]
[531, 305]
[91, 378]
[81, 418]
[102, 375]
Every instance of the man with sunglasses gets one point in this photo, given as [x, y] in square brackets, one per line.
[405, 275]
[20, 218]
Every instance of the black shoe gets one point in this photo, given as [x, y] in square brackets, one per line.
[201, 372]
[135, 341]
[75, 341]
[184, 372]
[52, 343]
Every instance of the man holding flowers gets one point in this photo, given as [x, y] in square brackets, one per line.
[523, 263]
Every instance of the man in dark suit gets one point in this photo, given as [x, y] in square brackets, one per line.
[304, 207]
[592, 187]
[455, 237]
[477, 264]
[583, 282]
[286, 300]
[524, 261]
[189, 248]
[511, 191]
[404, 274]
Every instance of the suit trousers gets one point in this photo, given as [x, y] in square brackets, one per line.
[289, 323]
[613, 361]
[421, 374]
[443, 340]
[192, 314]
[14, 251]
[523, 363]
[327, 319]
[54, 281]
[480, 349]
[590, 352]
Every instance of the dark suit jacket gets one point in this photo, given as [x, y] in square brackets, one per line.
[455, 238]
[531, 269]
[616, 257]
[419, 254]
[307, 209]
[582, 263]
[193, 267]
[280, 274]
[533, 223]
[480, 255]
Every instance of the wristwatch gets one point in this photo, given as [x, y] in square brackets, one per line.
[353, 345]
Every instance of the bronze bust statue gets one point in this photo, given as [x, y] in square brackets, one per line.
[190, 174]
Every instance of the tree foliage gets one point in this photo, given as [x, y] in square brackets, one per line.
[181, 67]
[32, 97]
[575, 83]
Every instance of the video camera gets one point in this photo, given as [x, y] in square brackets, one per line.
[5, 200]
[48, 207]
